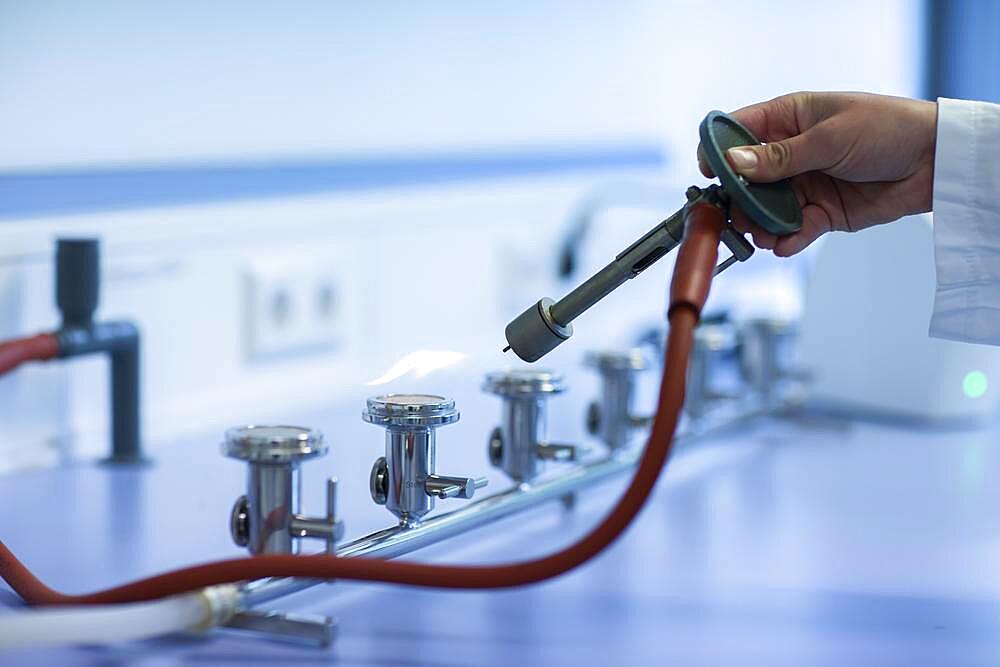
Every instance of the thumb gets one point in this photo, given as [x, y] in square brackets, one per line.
[775, 160]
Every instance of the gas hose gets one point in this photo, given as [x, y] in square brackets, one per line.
[41, 347]
[704, 223]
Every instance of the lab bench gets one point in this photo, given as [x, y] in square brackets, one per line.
[801, 540]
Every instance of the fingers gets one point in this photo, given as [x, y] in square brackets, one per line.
[774, 161]
[703, 165]
[761, 237]
[815, 223]
[775, 119]
[781, 159]
[793, 145]
[797, 143]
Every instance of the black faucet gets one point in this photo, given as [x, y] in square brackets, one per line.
[77, 292]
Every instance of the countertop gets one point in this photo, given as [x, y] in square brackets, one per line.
[792, 541]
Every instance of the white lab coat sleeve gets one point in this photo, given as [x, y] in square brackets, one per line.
[967, 222]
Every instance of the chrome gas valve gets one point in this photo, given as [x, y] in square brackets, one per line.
[518, 446]
[266, 520]
[611, 418]
[405, 479]
[714, 345]
[764, 351]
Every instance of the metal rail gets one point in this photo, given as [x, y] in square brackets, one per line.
[405, 538]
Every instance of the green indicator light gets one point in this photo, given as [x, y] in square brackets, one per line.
[974, 384]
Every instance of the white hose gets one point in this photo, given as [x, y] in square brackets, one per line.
[103, 624]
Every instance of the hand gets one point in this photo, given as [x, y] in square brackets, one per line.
[854, 159]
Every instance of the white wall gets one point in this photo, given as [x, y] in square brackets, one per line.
[180, 274]
[127, 82]
[84, 85]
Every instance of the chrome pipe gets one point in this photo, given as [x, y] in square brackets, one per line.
[273, 492]
[403, 538]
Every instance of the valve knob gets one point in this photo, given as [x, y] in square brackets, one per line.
[273, 444]
[410, 411]
[378, 482]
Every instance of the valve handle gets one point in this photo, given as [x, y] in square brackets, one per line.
[773, 206]
[550, 451]
[444, 486]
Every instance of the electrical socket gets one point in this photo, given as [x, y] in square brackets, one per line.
[292, 307]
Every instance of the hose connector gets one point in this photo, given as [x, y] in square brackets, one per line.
[705, 218]
[221, 602]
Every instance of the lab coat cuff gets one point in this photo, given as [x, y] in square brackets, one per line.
[956, 236]
[966, 226]
[960, 314]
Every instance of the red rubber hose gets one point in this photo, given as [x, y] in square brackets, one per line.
[692, 276]
[13, 353]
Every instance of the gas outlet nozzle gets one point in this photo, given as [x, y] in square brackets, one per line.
[544, 325]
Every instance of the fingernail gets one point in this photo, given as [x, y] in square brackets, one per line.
[743, 159]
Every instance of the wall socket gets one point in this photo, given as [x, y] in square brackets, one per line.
[292, 307]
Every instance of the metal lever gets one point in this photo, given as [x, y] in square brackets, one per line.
[443, 486]
[738, 245]
[328, 528]
[548, 451]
